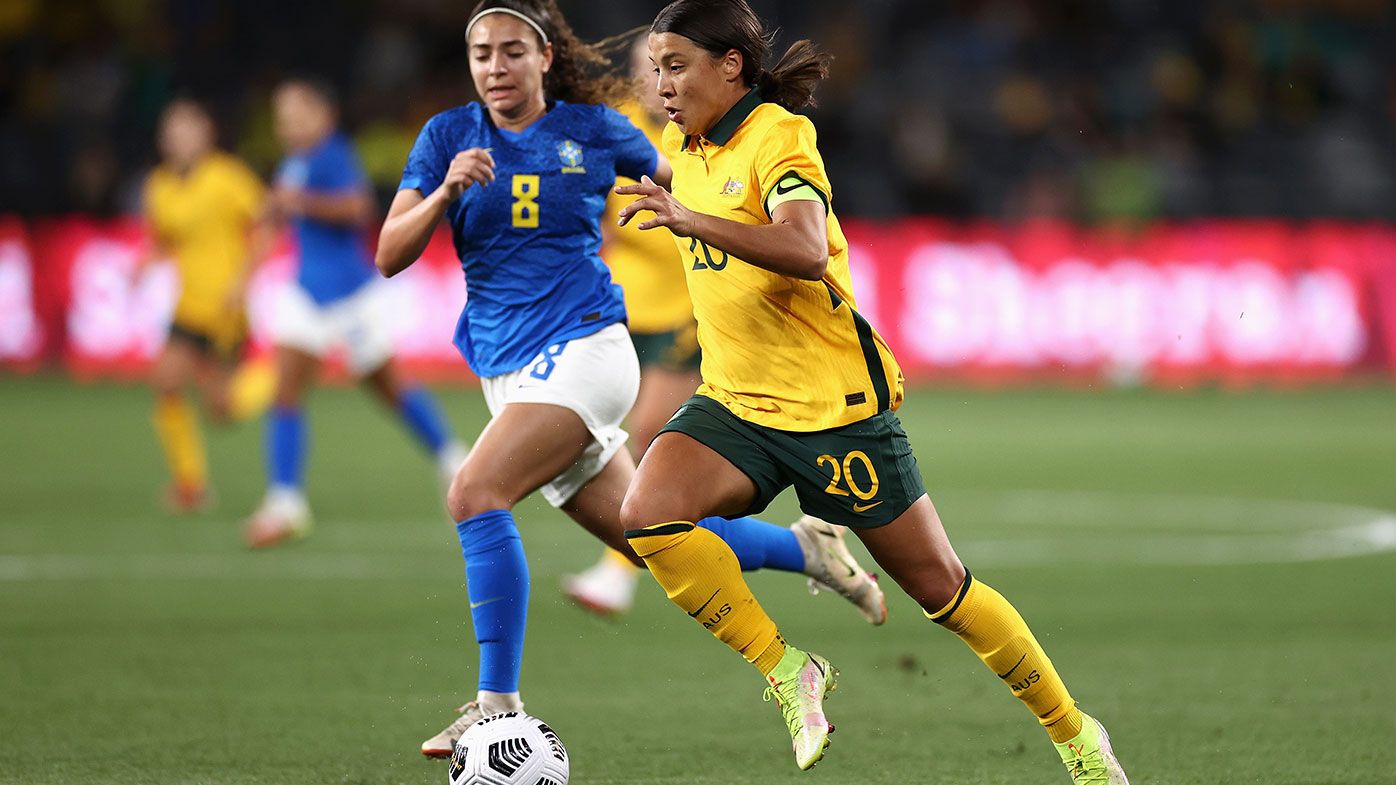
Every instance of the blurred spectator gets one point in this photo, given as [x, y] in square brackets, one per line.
[1084, 109]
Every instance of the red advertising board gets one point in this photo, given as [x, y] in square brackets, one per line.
[1235, 302]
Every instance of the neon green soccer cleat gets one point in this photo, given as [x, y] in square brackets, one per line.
[1088, 757]
[799, 683]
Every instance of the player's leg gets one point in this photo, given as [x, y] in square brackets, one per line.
[419, 413]
[285, 512]
[235, 390]
[668, 376]
[524, 446]
[683, 480]
[176, 422]
[666, 381]
[915, 550]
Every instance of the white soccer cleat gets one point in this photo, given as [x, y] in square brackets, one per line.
[444, 743]
[284, 516]
[486, 704]
[831, 567]
[605, 588]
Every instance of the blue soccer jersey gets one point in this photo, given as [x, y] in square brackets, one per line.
[333, 259]
[529, 243]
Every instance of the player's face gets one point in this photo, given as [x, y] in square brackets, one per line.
[301, 118]
[186, 135]
[507, 64]
[694, 86]
[642, 71]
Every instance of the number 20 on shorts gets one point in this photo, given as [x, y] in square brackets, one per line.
[843, 482]
[525, 190]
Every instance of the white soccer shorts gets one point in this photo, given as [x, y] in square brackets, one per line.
[596, 376]
[358, 323]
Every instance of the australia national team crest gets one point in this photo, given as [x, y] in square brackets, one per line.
[734, 187]
[571, 154]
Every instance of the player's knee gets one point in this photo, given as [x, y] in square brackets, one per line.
[471, 495]
[642, 507]
[934, 587]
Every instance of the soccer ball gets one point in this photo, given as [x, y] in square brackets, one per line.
[509, 749]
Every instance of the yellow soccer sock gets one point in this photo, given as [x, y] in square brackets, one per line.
[991, 626]
[177, 426]
[701, 575]
[252, 388]
[619, 559]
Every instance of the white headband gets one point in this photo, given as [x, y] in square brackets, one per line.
[536, 27]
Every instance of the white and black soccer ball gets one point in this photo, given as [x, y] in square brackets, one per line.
[512, 748]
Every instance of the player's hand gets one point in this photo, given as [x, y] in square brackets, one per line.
[288, 202]
[667, 210]
[469, 167]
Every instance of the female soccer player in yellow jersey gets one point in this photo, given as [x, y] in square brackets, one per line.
[799, 390]
[203, 209]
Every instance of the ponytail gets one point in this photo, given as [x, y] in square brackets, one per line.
[792, 81]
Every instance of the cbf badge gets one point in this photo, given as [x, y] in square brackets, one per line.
[571, 154]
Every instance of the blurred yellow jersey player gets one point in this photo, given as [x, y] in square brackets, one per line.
[647, 267]
[202, 208]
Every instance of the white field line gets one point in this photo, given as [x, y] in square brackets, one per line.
[1200, 530]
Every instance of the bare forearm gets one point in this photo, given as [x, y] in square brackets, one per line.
[779, 247]
[405, 235]
[351, 209]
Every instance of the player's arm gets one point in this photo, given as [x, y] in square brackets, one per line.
[795, 243]
[412, 217]
[347, 208]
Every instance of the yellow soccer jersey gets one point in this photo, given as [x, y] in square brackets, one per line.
[777, 351]
[204, 220]
[644, 263]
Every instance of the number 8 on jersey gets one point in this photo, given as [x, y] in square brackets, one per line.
[525, 190]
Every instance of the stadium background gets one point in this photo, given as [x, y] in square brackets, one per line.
[1092, 203]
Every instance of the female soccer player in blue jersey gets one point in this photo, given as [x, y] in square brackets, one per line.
[335, 300]
[522, 177]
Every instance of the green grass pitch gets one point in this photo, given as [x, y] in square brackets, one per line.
[1212, 573]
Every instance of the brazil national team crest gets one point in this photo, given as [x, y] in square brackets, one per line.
[571, 154]
[734, 187]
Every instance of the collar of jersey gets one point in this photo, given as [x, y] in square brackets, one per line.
[515, 136]
[722, 131]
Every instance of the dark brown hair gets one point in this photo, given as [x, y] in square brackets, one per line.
[719, 26]
[581, 73]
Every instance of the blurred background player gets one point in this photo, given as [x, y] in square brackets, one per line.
[202, 206]
[334, 300]
[647, 266]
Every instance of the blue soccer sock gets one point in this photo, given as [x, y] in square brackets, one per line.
[758, 544]
[496, 576]
[285, 447]
[423, 418]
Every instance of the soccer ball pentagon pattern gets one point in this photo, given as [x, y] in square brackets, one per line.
[512, 748]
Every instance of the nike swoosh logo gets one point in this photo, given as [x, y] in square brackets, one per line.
[864, 507]
[694, 614]
[780, 190]
[475, 605]
[1009, 672]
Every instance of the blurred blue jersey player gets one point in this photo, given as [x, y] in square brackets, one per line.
[335, 301]
[522, 179]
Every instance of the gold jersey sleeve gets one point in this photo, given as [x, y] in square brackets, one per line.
[778, 351]
[204, 219]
